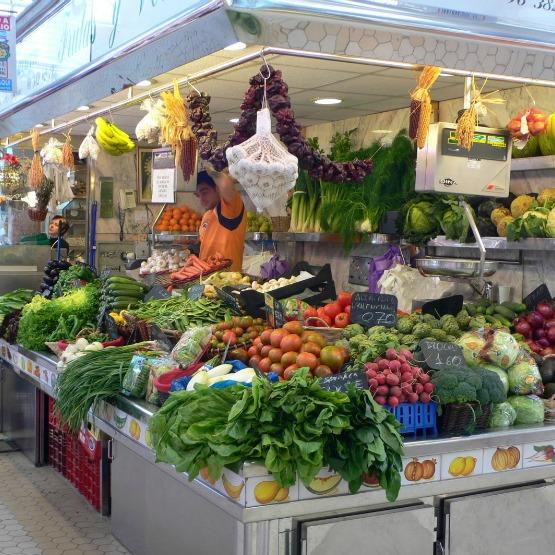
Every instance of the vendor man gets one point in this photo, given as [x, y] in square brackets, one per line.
[224, 224]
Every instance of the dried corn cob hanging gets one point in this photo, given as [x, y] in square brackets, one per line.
[176, 131]
[36, 173]
[67, 153]
[420, 97]
[469, 119]
[424, 121]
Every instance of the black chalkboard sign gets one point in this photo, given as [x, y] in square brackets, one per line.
[373, 309]
[448, 305]
[342, 381]
[274, 310]
[156, 334]
[157, 292]
[228, 299]
[539, 294]
[195, 292]
[439, 355]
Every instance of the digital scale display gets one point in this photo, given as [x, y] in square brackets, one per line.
[486, 146]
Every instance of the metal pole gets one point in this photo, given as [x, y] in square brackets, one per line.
[476, 233]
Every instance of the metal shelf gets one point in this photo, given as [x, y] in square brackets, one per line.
[373, 239]
[533, 163]
[498, 243]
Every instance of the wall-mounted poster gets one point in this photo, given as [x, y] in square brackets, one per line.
[144, 175]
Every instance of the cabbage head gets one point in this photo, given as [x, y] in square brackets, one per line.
[471, 343]
[419, 223]
[525, 378]
[534, 222]
[531, 148]
[546, 140]
[502, 415]
[500, 372]
[503, 350]
[529, 409]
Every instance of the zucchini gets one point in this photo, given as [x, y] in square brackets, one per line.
[125, 293]
[471, 309]
[120, 305]
[124, 287]
[490, 310]
[504, 311]
[124, 280]
[515, 307]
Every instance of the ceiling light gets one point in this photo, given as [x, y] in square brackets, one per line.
[83, 108]
[144, 83]
[39, 125]
[328, 101]
[234, 120]
[236, 46]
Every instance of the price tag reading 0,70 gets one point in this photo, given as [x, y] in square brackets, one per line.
[374, 309]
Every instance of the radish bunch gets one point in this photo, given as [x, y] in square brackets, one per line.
[393, 379]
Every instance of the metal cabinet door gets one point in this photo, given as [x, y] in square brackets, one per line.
[390, 532]
[510, 521]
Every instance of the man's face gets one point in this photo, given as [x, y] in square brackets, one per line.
[53, 227]
[208, 196]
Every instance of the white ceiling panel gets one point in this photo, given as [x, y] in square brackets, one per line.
[349, 99]
[374, 85]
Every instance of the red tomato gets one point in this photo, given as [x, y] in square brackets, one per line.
[310, 312]
[326, 319]
[332, 310]
[344, 299]
[320, 312]
[341, 320]
[348, 311]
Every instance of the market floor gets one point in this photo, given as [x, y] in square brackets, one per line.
[42, 514]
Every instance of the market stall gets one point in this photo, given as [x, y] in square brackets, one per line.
[380, 369]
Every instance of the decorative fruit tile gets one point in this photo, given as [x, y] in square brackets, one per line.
[538, 454]
[417, 470]
[326, 483]
[502, 458]
[265, 491]
[461, 464]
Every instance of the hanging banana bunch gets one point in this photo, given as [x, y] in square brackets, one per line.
[112, 139]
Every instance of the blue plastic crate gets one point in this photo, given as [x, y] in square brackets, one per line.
[418, 419]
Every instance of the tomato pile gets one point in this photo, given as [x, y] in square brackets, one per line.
[285, 350]
[238, 332]
[393, 379]
[336, 314]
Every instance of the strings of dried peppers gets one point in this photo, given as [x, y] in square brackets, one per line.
[289, 131]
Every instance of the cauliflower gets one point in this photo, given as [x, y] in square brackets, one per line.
[498, 214]
[502, 225]
[422, 330]
[521, 204]
[404, 325]
[547, 198]
[440, 335]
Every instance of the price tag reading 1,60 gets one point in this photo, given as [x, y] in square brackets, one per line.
[439, 355]
[374, 309]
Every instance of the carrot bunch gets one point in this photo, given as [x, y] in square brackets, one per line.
[194, 267]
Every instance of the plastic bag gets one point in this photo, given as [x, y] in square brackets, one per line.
[274, 268]
[51, 152]
[502, 415]
[192, 345]
[148, 128]
[524, 376]
[380, 264]
[156, 367]
[135, 380]
[89, 147]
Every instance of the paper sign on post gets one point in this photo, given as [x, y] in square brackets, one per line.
[163, 175]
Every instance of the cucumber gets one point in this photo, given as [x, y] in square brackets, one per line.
[515, 307]
[490, 310]
[125, 293]
[491, 320]
[504, 321]
[124, 299]
[119, 305]
[504, 311]
[124, 280]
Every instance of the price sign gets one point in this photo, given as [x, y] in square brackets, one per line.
[157, 292]
[539, 294]
[275, 311]
[342, 381]
[373, 309]
[163, 175]
[439, 355]
[228, 299]
[195, 292]
[448, 305]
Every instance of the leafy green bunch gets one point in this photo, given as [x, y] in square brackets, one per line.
[294, 427]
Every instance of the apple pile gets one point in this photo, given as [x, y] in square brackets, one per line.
[393, 379]
[336, 314]
[285, 350]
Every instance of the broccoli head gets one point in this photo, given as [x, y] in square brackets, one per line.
[422, 330]
[452, 386]
[450, 327]
[351, 330]
[463, 319]
[404, 324]
[493, 385]
[464, 393]
[482, 396]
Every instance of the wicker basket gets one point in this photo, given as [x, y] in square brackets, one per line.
[281, 223]
[464, 419]
[331, 334]
[37, 214]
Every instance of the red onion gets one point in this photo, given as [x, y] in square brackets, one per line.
[550, 323]
[550, 334]
[545, 308]
[547, 351]
[524, 328]
[543, 342]
[535, 319]
[533, 345]
[538, 333]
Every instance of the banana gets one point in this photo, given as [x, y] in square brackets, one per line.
[112, 139]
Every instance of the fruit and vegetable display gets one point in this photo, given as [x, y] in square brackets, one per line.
[194, 268]
[257, 222]
[336, 314]
[215, 428]
[538, 328]
[178, 219]
[238, 333]
[395, 379]
[76, 275]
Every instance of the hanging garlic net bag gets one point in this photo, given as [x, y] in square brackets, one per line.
[262, 164]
